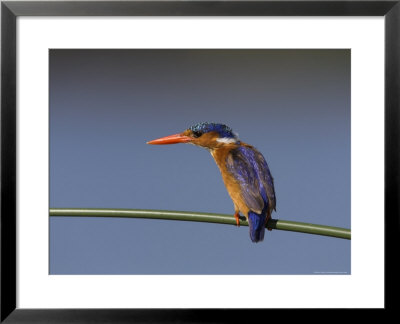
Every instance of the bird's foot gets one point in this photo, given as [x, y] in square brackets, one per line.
[266, 222]
[237, 217]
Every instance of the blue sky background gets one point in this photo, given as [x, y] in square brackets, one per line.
[293, 105]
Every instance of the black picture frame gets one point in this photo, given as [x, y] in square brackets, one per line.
[10, 10]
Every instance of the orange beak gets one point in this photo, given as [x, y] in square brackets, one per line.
[171, 139]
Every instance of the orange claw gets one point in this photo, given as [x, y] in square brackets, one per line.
[237, 219]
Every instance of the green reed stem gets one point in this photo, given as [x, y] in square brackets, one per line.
[201, 217]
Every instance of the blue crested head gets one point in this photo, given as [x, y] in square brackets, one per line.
[222, 130]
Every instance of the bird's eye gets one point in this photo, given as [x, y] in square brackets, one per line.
[197, 134]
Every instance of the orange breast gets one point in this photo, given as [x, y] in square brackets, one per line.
[232, 186]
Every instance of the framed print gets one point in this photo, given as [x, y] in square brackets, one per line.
[86, 86]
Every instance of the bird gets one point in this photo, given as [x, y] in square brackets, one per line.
[244, 171]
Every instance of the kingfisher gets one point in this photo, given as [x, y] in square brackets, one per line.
[245, 172]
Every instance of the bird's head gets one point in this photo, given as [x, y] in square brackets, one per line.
[208, 135]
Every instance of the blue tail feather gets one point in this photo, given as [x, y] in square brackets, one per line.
[257, 226]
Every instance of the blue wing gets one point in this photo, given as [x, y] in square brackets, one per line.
[250, 169]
